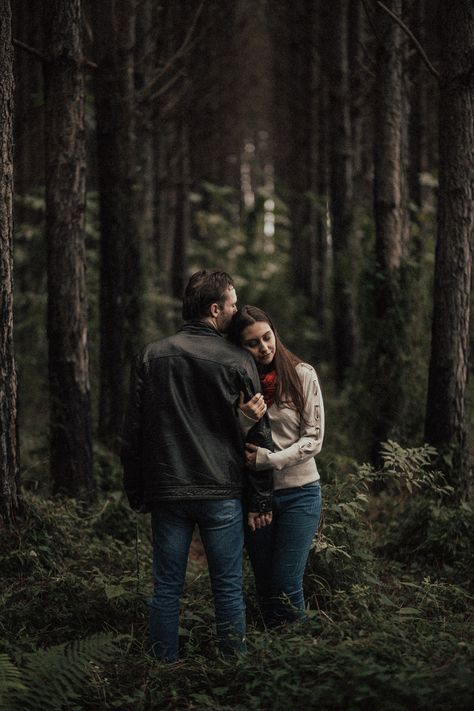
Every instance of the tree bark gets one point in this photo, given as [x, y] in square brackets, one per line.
[388, 143]
[9, 446]
[300, 86]
[388, 224]
[182, 226]
[320, 178]
[145, 65]
[28, 124]
[70, 426]
[448, 374]
[121, 266]
[341, 185]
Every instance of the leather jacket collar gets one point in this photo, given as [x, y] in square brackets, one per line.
[200, 328]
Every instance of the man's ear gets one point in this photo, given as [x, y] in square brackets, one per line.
[214, 309]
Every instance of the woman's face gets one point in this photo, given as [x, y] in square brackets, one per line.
[259, 340]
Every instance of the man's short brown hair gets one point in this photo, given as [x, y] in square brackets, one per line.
[206, 287]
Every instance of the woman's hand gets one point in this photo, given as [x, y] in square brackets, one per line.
[258, 520]
[255, 408]
[251, 455]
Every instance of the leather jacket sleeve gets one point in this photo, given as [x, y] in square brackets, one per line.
[259, 484]
[131, 440]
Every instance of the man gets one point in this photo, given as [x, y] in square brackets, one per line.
[183, 455]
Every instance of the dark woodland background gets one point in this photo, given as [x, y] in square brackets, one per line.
[322, 152]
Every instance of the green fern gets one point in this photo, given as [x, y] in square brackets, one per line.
[54, 678]
[10, 679]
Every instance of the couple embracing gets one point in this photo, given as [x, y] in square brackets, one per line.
[221, 430]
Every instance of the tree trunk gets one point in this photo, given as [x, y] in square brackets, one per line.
[360, 86]
[70, 427]
[121, 268]
[300, 22]
[169, 157]
[9, 449]
[448, 374]
[417, 136]
[388, 224]
[341, 187]
[388, 143]
[320, 180]
[145, 65]
[182, 226]
[28, 125]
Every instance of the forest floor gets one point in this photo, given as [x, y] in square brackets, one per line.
[389, 626]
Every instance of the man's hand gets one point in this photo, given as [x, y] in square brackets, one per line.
[258, 520]
[255, 408]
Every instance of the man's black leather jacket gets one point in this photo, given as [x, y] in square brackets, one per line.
[181, 438]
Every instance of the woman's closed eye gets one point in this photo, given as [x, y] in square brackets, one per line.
[254, 342]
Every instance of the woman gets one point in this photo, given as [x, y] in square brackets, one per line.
[292, 399]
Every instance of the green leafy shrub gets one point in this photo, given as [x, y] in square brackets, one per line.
[422, 523]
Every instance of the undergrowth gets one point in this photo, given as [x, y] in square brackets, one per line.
[388, 589]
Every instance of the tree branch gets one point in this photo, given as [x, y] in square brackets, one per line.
[410, 34]
[39, 55]
[36, 53]
[148, 88]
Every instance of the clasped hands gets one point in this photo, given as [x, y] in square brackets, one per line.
[258, 520]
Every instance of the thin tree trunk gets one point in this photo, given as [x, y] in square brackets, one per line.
[358, 83]
[145, 54]
[70, 426]
[300, 21]
[28, 125]
[182, 225]
[320, 180]
[341, 186]
[168, 179]
[448, 375]
[417, 109]
[121, 268]
[9, 448]
[388, 224]
[388, 143]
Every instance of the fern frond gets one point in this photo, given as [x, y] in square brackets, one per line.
[10, 679]
[54, 678]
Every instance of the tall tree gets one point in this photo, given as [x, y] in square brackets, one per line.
[172, 112]
[293, 48]
[9, 450]
[320, 175]
[121, 267]
[300, 173]
[28, 126]
[448, 374]
[340, 184]
[388, 222]
[145, 65]
[70, 424]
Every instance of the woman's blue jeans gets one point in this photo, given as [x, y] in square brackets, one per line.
[279, 552]
[222, 533]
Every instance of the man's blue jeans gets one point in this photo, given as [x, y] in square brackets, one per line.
[279, 552]
[222, 534]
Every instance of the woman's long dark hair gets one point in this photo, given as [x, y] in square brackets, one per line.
[289, 391]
